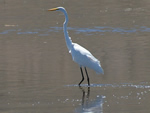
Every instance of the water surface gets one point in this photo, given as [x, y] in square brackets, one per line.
[37, 73]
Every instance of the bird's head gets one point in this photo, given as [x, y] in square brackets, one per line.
[57, 9]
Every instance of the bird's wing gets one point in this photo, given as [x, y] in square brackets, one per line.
[84, 53]
[81, 49]
[84, 58]
[92, 58]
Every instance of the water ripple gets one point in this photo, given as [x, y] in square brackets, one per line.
[8, 31]
[103, 29]
[88, 31]
[27, 32]
[140, 85]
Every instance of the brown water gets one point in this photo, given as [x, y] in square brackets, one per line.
[37, 74]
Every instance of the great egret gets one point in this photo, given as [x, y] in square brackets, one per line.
[80, 55]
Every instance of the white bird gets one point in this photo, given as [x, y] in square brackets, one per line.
[80, 55]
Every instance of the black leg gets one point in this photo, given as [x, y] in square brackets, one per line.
[82, 76]
[83, 96]
[87, 76]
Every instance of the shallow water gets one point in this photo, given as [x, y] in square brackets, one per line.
[37, 73]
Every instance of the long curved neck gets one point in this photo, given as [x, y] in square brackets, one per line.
[68, 39]
[65, 24]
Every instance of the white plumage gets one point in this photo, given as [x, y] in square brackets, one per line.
[80, 55]
[84, 58]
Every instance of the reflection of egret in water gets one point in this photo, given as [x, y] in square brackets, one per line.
[95, 106]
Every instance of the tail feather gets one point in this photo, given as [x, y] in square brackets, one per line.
[100, 71]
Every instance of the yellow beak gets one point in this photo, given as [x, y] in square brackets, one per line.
[53, 9]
